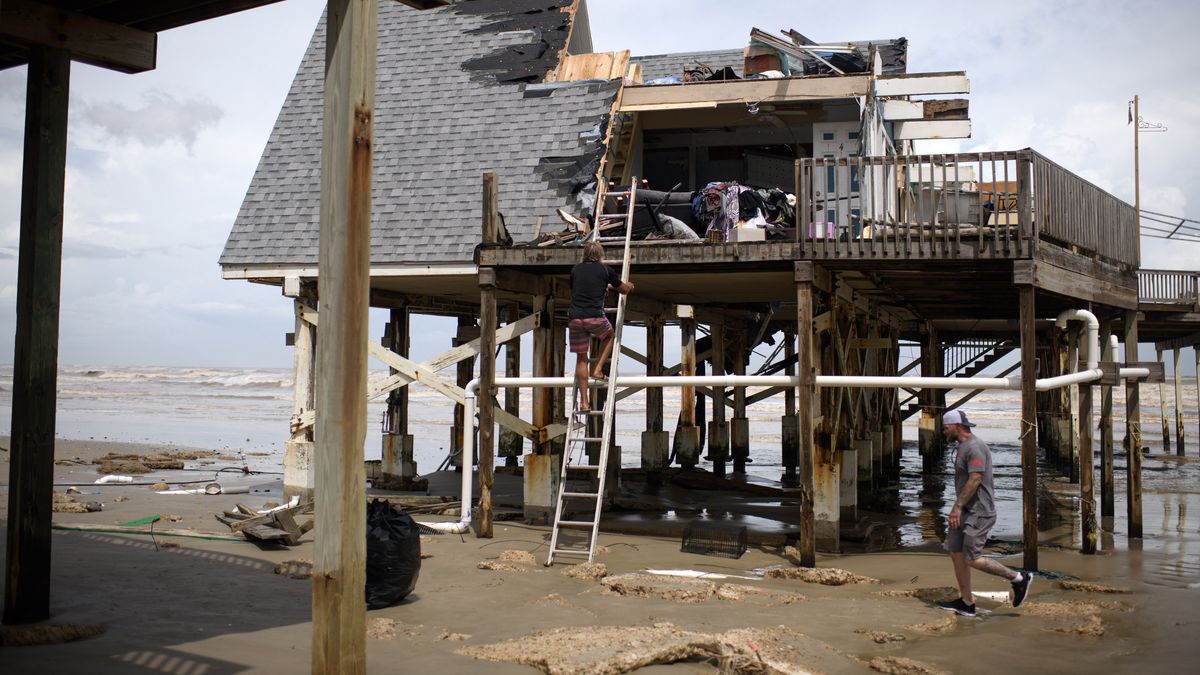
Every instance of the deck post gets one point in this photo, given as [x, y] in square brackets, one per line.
[541, 474]
[487, 395]
[558, 368]
[1133, 431]
[687, 434]
[298, 478]
[461, 449]
[1163, 417]
[1087, 496]
[1178, 404]
[655, 441]
[805, 392]
[930, 425]
[1107, 491]
[1029, 426]
[1196, 356]
[511, 443]
[397, 442]
[343, 277]
[739, 427]
[790, 423]
[1074, 444]
[35, 360]
[718, 428]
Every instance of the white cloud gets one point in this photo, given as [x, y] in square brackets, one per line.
[159, 120]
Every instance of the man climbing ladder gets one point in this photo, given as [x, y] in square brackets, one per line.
[590, 281]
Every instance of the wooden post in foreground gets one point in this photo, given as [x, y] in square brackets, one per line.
[35, 360]
[1163, 417]
[1133, 432]
[1029, 427]
[1087, 496]
[339, 559]
[1107, 491]
[805, 393]
[1178, 404]
[487, 363]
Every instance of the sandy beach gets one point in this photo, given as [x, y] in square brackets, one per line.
[176, 604]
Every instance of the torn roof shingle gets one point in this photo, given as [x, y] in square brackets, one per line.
[438, 128]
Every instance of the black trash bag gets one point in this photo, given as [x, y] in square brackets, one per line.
[393, 554]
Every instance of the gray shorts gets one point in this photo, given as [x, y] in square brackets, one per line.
[970, 537]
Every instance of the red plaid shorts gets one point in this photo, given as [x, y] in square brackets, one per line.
[582, 330]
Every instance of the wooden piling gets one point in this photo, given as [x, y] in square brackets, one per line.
[35, 354]
[339, 556]
[687, 433]
[805, 393]
[512, 443]
[487, 394]
[1133, 432]
[542, 367]
[1087, 497]
[790, 435]
[739, 428]
[1107, 491]
[718, 428]
[1163, 417]
[1028, 427]
[655, 443]
[1178, 404]
[1074, 440]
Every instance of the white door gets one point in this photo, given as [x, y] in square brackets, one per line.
[836, 193]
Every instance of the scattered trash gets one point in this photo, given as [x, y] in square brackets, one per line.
[712, 538]
[112, 478]
[697, 574]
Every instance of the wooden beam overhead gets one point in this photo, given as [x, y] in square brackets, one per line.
[1192, 340]
[740, 92]
[918, 84]
[87, 39]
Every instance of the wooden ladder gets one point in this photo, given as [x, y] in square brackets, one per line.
[575, 464]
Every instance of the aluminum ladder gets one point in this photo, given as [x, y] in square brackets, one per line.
[575, 464]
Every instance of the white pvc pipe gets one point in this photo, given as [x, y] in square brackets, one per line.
[113, 479]
[1089, 375]
[464, 520]
[1092, 345]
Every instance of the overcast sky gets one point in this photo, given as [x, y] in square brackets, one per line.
[158, 162]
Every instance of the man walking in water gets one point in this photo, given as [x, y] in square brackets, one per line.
[973, 515]
[590, 280]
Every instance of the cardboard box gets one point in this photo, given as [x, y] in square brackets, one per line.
[740, 234]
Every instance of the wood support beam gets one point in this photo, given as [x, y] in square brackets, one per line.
[487, 385]
[1029, 426]
[1107, 508]
[35, 354]
[1178, 376]
[1133, 432]
[339, 557]
[86, 39]
[511, 443]
[805, 394]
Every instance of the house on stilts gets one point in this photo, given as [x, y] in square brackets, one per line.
[782, 200]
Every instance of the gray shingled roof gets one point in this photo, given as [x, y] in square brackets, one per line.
[663, 65]
[438, 127]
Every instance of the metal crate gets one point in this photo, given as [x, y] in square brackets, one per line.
[707, 537]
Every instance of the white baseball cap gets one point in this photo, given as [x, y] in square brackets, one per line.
[956, 417]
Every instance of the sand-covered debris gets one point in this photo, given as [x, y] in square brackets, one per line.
[64, 503]
[930, 595]
[1089, 587]
[295, 569]
[47, 634]
[898, 665]
[828, 576]
[588, 571]
[880, 636]
[120, 498]
[942, 625]
[518, 557]
[160, 486]
[454, 637]
[756, 595]
[675, 589]
[607, 650]
[1076, 617]
[386, 629]
[500, 566]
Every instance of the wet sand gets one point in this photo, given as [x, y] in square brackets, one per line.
[217, 606]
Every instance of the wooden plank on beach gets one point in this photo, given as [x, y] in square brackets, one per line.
[268, 518]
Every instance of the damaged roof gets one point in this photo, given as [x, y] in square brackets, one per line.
[452, 102]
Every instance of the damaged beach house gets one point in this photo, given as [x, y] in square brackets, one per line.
[764, 194]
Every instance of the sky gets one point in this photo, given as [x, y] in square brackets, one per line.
[159, 162]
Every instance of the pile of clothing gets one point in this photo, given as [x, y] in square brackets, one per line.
[722, 206]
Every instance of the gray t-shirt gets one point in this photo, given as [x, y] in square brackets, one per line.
[971, 457]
